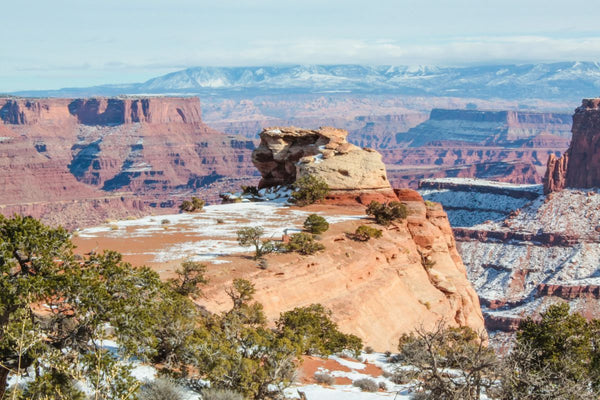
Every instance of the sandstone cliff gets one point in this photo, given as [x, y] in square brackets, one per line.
[377, 289]
[579, 167]
[151, 150]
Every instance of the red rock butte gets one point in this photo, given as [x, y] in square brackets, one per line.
[579, 167]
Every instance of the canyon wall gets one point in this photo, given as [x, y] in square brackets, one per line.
[579, 167]
[508, 146]
[154, 150]
[524, 250]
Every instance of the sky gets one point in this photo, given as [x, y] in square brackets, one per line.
[67, 43]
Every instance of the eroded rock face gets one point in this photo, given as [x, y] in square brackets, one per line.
[288, 153]
[579, 167]
[149, 151]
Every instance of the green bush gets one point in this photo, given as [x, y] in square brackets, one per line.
[385, 213]
[193, 205]
[313, 332]
[316, 224]
[363, 233]
[308, 190]
[303, 243]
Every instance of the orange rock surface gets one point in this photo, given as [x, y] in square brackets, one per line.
[377, 290]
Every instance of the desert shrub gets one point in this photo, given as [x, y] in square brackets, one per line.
[316, 224]
[366, 385]
[324, 378]
[250, 190]
[303, 243]
[240, 353]
[385, 213]
[220, 221]
[251, 236]
[313, 332]
[193, 205]
[369, 350]
[308, 190]
[430, 204]
[401, 377]
[430, 354]
[189, 277]
[383, 386]
[426, 261]
[221, 394]
[161, 389]
[165, 221]
[363, 233]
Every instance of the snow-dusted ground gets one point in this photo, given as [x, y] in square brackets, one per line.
[484, 183]
[470, 202]
[209, 234]
[512, 271]
[357, 371]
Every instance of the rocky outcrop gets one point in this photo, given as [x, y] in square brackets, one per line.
[154, 149]
[579, 167]
[288, 153]
[470, 202]
[412, 276]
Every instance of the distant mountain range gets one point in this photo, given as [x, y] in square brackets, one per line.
[564, 80]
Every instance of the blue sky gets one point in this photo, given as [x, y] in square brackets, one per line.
[65, 43]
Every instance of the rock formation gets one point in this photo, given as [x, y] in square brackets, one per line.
[288, 153]
[579, 167]
[142, 151]
[377, 289]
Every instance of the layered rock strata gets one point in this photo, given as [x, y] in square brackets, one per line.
[537, 250]
[579, 167]
[153, 150]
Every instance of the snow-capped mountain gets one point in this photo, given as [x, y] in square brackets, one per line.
[565, 80]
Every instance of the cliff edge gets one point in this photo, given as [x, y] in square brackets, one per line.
[410, 277]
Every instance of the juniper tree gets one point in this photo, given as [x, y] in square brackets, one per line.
[55, 310]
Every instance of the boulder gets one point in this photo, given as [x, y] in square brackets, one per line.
[288, 153]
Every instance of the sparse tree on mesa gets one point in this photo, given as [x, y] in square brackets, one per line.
[252, 236]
